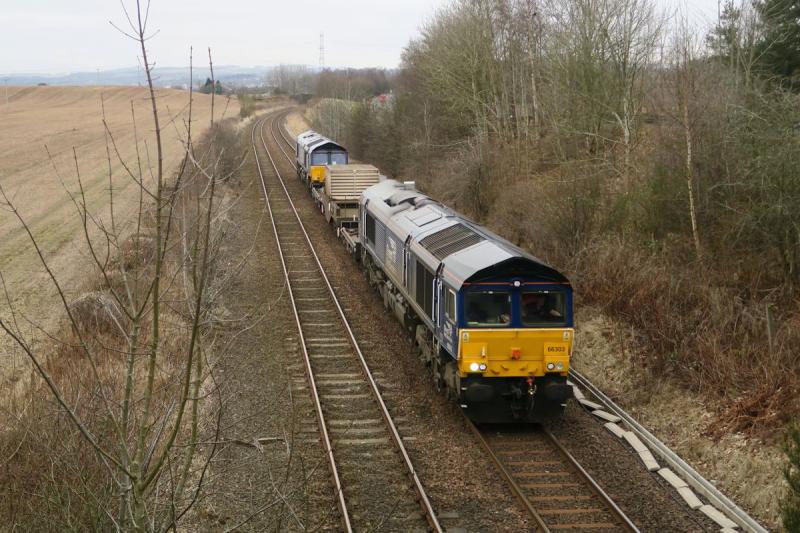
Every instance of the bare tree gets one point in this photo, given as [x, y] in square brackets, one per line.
[685, 58]
[148, 365]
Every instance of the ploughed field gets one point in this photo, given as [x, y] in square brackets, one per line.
[60, 120]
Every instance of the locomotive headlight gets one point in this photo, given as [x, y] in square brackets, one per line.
[482, 366]
[559, 366]
[474, 367]
[551, 366]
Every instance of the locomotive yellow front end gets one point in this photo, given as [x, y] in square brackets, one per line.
[325, 152]
[316, 175]
[514, 350]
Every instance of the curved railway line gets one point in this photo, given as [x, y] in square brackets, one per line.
[376, 486]
[374, 480]
[554, 489]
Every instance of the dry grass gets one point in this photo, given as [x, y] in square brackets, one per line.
[296, 123]
[694, 363]
[703, 334]
[63, 119]
[744, 468]
[50, 477]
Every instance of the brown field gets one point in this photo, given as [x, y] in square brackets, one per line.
[64, 119]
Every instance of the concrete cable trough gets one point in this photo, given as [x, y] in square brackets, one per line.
[682, 477]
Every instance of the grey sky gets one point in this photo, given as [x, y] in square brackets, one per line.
[49, 36]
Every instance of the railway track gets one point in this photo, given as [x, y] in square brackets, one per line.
[554, 489]
[375, 484]
[577, 503]
[551, 485]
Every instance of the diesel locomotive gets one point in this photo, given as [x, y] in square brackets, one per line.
[493, 323]
[312, 153]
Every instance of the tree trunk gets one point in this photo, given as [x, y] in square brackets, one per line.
[687, 131]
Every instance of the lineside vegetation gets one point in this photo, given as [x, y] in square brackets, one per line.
[109, 432]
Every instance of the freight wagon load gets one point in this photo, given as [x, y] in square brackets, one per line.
[338, 199]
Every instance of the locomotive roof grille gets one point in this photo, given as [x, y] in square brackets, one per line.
[450, 240]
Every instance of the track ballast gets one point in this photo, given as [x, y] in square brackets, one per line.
[372, 475]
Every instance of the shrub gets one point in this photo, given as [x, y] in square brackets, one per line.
[699, 332]
[247, 105]
[224, 149]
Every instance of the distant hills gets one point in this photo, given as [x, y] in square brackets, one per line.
[230, 75]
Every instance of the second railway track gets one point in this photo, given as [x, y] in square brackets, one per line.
[375, 482]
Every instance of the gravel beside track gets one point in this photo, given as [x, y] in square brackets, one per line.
[643, 496]
[282, 484]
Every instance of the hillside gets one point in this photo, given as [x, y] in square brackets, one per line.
[59, 120]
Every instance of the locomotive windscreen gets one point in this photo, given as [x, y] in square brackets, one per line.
[487, 308]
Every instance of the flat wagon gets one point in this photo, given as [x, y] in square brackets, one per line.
[342, 186]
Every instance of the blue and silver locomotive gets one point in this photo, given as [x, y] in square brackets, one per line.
[494, 323]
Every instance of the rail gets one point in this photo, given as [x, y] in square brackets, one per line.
[519, 491]
[423, 499]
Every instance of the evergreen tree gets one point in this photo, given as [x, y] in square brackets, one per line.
[207, 86]
[211, 86]
[779, 48]
[724, 40]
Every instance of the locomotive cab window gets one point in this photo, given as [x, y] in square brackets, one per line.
[338, 158]
[319, 158]
[487, 308]
[450, 305]
[543, 308]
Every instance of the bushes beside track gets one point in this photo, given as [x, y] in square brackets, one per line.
[52, 478]
[697, 331]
